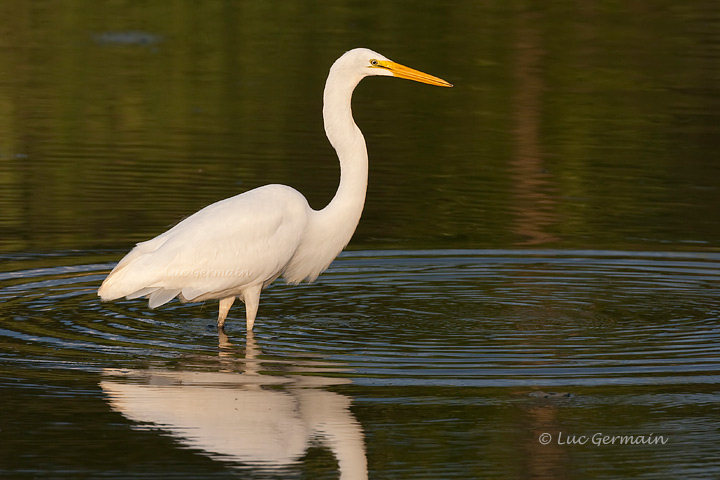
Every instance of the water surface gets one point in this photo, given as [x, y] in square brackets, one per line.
[428, 364]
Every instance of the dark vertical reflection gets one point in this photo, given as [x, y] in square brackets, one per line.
[544, 461]
[532, 204]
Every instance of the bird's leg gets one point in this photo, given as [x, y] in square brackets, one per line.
[225, 305]
[251, 297]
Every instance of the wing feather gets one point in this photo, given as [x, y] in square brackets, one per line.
[243, 240]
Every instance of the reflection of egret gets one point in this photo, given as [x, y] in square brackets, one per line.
[235, 417]
[238, 246]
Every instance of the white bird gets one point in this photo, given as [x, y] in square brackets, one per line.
[238, 246]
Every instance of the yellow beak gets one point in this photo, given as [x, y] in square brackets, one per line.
[401, 71]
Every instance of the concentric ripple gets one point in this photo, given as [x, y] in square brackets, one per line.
[444, 318]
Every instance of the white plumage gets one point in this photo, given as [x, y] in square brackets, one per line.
[238, 246]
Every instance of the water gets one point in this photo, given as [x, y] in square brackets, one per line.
[539, 252]
[421, 364]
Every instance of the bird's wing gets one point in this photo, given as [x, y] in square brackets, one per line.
[243, 240]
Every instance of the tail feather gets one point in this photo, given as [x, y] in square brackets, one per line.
[161, 297]
[144, 292]
[122, 283]
[127, 278]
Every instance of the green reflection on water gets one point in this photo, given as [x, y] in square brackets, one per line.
[570, 125]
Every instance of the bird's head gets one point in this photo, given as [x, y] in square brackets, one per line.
[367, 63]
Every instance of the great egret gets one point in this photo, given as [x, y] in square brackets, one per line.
[240, 245]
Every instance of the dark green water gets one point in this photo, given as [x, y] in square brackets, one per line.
[539, 253]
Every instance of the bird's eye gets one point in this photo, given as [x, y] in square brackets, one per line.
[374, 62]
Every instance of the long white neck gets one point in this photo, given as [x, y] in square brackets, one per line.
[343, 212]
[329, 230]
